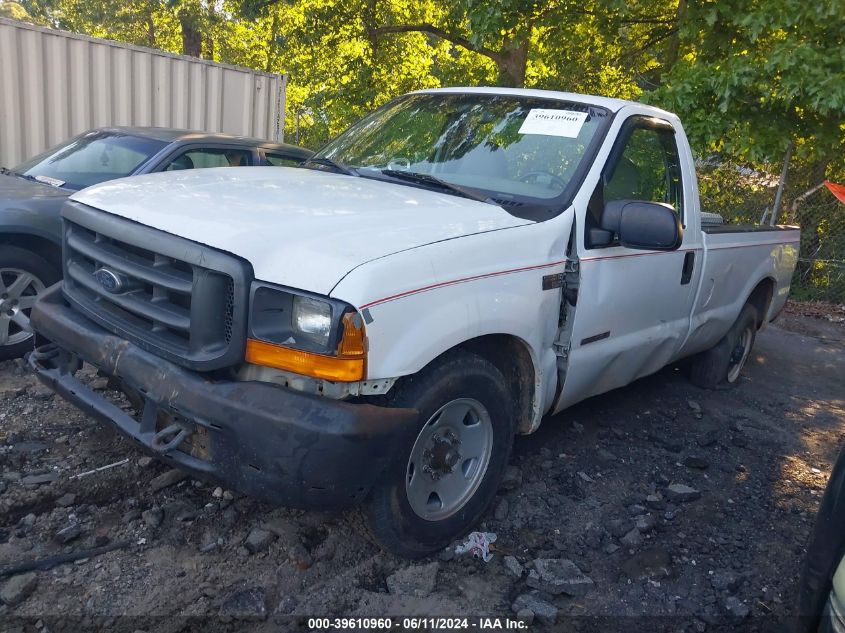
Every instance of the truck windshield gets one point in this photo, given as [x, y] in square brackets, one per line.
[89, 159]
[523, 153]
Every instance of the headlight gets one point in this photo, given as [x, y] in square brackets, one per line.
[312, 319]
[305, 334]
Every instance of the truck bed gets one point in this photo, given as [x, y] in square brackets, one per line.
[736, 257]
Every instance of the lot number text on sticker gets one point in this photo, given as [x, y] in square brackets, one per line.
[553, 122]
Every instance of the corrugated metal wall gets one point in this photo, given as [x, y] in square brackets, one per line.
[55, 84]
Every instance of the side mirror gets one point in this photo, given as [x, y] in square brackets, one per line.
[643, 225]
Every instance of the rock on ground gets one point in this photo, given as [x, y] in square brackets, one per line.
[632, 539]
[153, 517]
[559, 576]
[681, 493]
[725, 580]
[513, 566]
[66, 500]
[696, 461]
[512, 478]
[168, 479]
[536, 606]
[417, 580]
[248, 604]
[18, 588]
[69, 533]
[649, 563]
[736, 608]
[258, 540]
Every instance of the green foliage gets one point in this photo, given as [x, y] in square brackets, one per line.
[756, 74]
[14, 11]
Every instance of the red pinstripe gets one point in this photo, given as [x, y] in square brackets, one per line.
[443, 284]
[459, 281]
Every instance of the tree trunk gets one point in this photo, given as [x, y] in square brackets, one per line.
[271, 44]
[512, 62]
[674, 45]
[191, 36]
[370, 17]
[151, 30]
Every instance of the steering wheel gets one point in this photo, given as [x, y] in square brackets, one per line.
[400, 164]
[535, 176]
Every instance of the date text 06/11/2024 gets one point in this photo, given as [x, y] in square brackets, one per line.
[416, 623]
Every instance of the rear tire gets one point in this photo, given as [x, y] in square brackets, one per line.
[720, 367]
[23, 276]
[448, 466]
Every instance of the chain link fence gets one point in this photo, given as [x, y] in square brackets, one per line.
[744, 194]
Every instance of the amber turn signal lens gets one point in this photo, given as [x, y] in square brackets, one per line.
[353, 343]
[305, 363]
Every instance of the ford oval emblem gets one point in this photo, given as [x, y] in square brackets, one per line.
[109, 280]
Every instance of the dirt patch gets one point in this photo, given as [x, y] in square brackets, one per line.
[686, 508]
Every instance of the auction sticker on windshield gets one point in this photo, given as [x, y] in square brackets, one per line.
[48, 180]
[566, 123]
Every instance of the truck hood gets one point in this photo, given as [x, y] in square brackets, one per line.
[301, 228]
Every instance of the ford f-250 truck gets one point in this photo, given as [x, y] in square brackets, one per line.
[376, 327]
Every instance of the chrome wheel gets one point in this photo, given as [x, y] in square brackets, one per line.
[449, 459]
[740, 354]
[18, 291]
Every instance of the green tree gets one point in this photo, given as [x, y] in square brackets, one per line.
[754, 75]
[14, 11]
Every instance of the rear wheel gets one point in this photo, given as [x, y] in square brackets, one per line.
[721, 366]
[448, 467]
[23, 276]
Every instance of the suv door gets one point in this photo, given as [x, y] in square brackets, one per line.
[634, 306]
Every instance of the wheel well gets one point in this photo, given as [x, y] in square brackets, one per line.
[47, 249]
[761, 298]
[511, 356]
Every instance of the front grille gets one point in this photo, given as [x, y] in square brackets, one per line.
[179, 299]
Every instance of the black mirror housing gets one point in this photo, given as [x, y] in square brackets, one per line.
[643, 225]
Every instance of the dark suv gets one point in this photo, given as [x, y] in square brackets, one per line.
[821, 597]
[32, 193]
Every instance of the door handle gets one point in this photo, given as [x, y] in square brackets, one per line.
[689, 266]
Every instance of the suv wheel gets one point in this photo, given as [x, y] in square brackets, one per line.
[23, 276]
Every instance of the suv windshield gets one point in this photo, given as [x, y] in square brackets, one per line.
[522, 153]
[91, 158]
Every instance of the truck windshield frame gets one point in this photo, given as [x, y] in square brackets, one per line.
[527, 154]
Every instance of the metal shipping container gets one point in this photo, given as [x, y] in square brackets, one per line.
[55, 84]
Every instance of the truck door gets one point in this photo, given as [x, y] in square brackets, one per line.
[633, 308]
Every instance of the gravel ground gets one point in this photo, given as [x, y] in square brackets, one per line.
[659, 506]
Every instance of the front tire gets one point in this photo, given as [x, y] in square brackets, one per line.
[449, 466]
[721, 366]
[23, 276]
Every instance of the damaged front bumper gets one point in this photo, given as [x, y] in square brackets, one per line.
[263, 440]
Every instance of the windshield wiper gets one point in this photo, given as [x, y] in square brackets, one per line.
[30, 177]
[9, 172]
[433, 181]
[328, 162]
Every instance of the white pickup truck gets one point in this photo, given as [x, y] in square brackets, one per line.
[376, 327]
